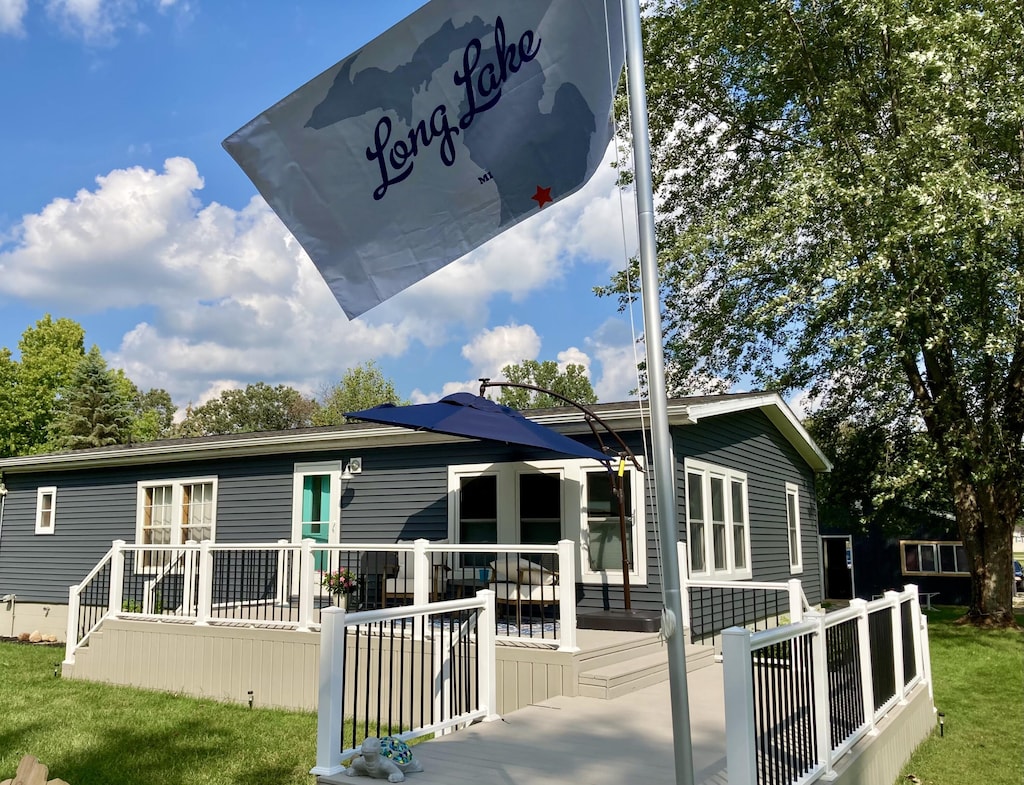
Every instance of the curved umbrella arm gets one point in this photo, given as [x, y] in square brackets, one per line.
[590, 416]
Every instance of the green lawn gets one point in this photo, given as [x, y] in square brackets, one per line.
[979, 686]
[92, 734]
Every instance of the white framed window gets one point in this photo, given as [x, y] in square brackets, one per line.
[46, 509]
[717, 521]
[172, 512]
[933, 557]
[542, 502]
[796, 550]
[601, 527]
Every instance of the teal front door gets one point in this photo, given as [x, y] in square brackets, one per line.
[316, 512]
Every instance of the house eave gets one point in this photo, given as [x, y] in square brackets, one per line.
[623, 416]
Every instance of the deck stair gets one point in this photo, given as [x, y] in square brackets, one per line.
[619, 667]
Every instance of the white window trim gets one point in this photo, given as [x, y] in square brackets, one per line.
[793, 491]
[51, 491]
[730, 573]
[938, 558]
[299, 472]
[637, 503]
[177, 490]
[574, 514]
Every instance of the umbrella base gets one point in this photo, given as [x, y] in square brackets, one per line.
[619, 619]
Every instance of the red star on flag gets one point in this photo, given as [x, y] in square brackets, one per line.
[542, 197]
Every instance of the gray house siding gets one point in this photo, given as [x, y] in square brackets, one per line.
[400, 494]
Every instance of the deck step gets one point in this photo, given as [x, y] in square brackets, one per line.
[621, 678]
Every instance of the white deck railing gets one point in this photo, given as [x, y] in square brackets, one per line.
[384, 663]
[798, 697]
[737, 603]
[280, 585]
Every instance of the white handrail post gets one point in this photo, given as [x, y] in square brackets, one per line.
[684, 583]
[117, 556]
[926, 656]
[188, 594]
[422, 575]
[331, 693]
[487, 656]
[819, 688]
[283, 588]
[204, 606]
[740, 738]
[441, 673]
[867, 689]
[894, 600]
[915, 627]
[306, 587]
[71, 641]
[567, 596]
[796, 600]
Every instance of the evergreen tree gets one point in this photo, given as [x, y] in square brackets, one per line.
[92, 411]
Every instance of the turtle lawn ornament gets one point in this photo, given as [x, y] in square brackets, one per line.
[384, 759]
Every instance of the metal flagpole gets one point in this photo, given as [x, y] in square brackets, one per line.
[664, 471]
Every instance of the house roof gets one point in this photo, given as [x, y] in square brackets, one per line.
[625, 415]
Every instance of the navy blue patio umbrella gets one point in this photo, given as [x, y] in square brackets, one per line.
[475, 417]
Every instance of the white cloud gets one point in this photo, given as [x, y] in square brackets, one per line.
[12, 14]
[230, 297]
[614, 348]
[493, 349]
[573, 356]
[98, 22]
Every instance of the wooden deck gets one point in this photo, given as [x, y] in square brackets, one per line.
[584, 741]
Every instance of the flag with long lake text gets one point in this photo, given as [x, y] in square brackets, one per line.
[457, 123]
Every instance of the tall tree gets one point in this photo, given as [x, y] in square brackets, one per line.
[843, 209]
[50, 352]
[361, 387]
[571, 382]
[259, 407]
[885, 477]
[92, 411]
[8, 372]
[152, 411]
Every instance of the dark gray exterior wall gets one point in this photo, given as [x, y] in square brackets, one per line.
[401, 494]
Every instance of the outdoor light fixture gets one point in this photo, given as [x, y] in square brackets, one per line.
[942, 724]
[3, 488]
[352, 468]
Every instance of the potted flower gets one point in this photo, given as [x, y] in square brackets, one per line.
[340, 584]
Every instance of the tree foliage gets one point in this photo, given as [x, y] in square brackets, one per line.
[843, 210]
[50, 351]
[259, 407]
[571, 382]
[361, 387]
[92, 411]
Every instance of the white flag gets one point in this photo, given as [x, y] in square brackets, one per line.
[452, 126]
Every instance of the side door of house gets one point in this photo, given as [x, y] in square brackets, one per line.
[838, 566]
[316, 506]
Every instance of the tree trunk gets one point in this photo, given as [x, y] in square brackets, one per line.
[986, 513]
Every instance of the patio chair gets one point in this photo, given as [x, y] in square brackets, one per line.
[523, 582]
[401, 585]
[375, 569]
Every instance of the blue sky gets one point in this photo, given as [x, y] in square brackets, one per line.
[120, 209]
